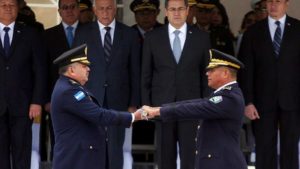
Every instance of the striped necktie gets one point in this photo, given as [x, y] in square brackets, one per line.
[107, 44]
[277, 39]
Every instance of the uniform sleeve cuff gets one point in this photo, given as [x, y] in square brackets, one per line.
[133, 118]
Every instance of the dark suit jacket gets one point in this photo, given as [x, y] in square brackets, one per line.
[165, 81]
[141, 37]
[218, 137]
[119, 80]
[56, 43]
[23, 73]
[78, 123]
[268, 81]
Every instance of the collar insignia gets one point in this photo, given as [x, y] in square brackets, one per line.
[227, 88]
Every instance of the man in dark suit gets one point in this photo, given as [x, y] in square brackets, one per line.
[22, 86]
[78, 119]
[270, 83]
[58, 41]
[114, 50]
[174, 76]
[145, 13]
[222, 113]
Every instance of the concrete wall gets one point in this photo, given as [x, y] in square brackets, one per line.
[235, 9]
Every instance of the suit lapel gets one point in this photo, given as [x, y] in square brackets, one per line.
[16, 36]
[62, 35]
[96, 40]
[2, 53]
[287, 34]
[189, 35]
[266, 37]
[118, 37]
[165, 39]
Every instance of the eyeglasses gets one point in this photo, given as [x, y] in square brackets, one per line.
[180, 9]
[71, 7]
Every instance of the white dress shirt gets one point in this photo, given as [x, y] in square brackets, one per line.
[112, 26]
[74, 27]
[182, 35]
[273, 26]
[10, 32]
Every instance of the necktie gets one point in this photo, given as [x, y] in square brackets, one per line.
[70, 35]
[177, 46]
[6, 41]
[277, 39]
[107, 44]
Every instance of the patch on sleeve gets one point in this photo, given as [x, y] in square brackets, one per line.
[79, 95]
[216, 99]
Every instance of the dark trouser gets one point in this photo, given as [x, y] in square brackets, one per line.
[265, 130]
[167, 136]
[46, 125]
[116, 136]
[15, 142]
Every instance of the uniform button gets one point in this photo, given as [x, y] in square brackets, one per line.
[7, 67]
[105, 85]
[105, 128]
[198, 127]
[196, 139]
[196, 152]
[209, 155]
[106, 139]
[91, 147]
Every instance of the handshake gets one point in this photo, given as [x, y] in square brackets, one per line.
[147, 112]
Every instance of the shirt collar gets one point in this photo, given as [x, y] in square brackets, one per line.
[11, 26]
[227, 84]
[66, 25]
[281, 20]
[112, 25]
[142, 31]
[182, 29]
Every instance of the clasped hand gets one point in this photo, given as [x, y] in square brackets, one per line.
[147, 112]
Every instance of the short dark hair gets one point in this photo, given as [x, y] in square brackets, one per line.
[186, 3]
[59, 2]
[62, 70]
